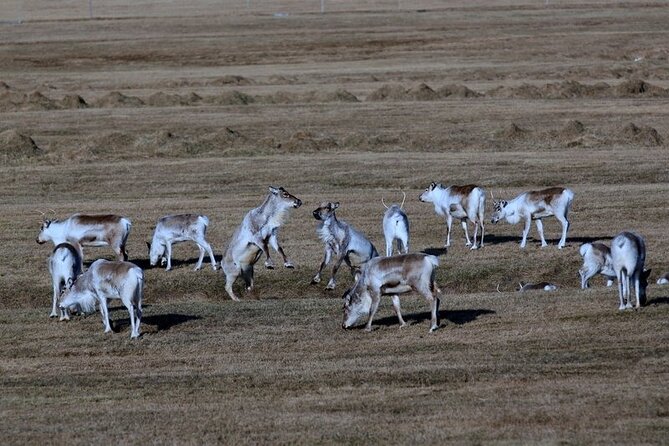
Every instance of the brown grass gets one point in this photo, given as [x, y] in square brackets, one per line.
[201, 111]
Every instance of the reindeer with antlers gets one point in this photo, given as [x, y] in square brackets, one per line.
[396, 227]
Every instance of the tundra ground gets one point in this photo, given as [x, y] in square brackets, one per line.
[157, 110]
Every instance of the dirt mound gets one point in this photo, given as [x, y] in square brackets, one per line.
[457, 91]
[281, 80]
[117, 99]
[339, 95]
[193, 98]
[233, 97]
[162, 99]
[4, 86]
[388, 92]
[422, 92]
[643, 135]
[511, 132]
[213, 141]
[37, 101]
[572, 129]
[110, 144]
[635, 87]
[230, 79]
[72, 101]
[15, 145]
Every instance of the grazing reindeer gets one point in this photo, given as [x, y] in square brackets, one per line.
[543, 286]
[391, 276]
[108, 280]
[596, 260]
[462, 202]
[65, 265]
[258, 229]
[179, 228]
[628, 254]
[342, 241]
[396, 227]
[664, 279]
[536, 205]
[89, 230]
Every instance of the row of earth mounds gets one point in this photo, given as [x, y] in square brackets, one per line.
[574, 134]
[12, 101]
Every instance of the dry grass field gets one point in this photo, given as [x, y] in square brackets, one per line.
[154, 108]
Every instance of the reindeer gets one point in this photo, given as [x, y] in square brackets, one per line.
[596, 260]
[391, 276]
[536, 205]
[462, 202]
[542, 286]
[396, 227]
[258, 229]
[342, 241]
[663, 279]
[89, 230]
[65, 265]
[179, 228]
[108, 280]
[628, 254]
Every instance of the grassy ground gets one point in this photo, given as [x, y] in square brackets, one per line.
[216, 106]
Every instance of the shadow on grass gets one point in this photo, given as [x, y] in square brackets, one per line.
[436, 251]
[658, 301]
[178, 263]
[458, 317]
[493, 239]
[162, 322]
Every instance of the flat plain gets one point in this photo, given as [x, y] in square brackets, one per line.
[152, 108]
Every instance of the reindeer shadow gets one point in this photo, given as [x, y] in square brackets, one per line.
[435, 251]
[162, 322]
[457, 317]
[658, 301]
[145, 263]
[492, 239]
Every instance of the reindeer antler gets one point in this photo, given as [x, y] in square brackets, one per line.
[384, 203]
[404, 197]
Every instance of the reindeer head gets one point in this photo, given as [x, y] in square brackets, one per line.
[44, 235]
[325, 210]
[357, 303]
[428, 195]
[284, 197]
[156, 252]
[498, 210]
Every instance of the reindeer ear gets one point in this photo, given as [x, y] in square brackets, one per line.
[70, 281]
[273, 190]
[148, 245]
[646, 273]
[433, 185]
[335, 205]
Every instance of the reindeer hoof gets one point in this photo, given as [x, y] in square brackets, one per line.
[269, 265]
[53, 315]
[289, 265]
[403, 325]
[432, 329]
[315, 280]
[368, 329]
[474, 247]
[331, 286]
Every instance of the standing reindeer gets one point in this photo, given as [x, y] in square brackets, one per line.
[628, 254]
[108, 280]
[342, 241]
[89, 230]
[250, 240]
[396, 228]
[461, 202]
[65, 265]
[536, 205]
[179, 228]
[596, 260]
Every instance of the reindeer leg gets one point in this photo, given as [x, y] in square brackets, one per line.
[326, 259]
[203, 243]
[540, 230]
[331, 283]
[526, 230]
[449, 223]
[200, 259]
[105, 314]
[269, 263]
[274, 241]
[565, 227]
[168, 252]
[464, 228]
[376, 298]
[396, 306]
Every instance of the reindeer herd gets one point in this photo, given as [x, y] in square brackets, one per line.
[77, 291]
